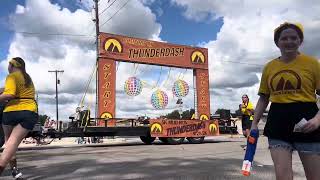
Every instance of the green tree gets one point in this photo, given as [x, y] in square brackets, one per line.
[238, 112]
[224, 113]
[219, 111]
[42, 119]
[175, 114]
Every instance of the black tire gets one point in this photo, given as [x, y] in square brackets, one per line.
[195, 140]
[147, 139]
[164, 140]
[175, 140]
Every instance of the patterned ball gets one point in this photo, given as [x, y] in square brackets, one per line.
[159, 99]
[180, 88]
[133, 86]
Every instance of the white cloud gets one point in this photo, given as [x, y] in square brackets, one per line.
[247, 37]
[140, 105]
[19, 9]
[70, 46]
[147, 2]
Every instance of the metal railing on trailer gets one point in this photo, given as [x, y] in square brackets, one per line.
[125, 127]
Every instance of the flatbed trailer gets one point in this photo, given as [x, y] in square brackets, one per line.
[168, 131]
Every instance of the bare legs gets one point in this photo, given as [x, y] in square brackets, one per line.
[282, 160]
[13, 137]
[311, 165]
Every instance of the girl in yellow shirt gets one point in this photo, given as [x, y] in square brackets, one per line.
[20, 113]
[290, 82]
[247, 109]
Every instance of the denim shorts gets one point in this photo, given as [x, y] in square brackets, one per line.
[304, 147]
[27, 119]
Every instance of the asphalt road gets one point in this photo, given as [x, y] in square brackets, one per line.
[217, 158]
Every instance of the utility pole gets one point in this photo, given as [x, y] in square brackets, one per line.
[96, 20]
[57, 82]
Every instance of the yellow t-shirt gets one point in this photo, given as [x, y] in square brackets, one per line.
[14, 85]
[291, 82]
[247, 110]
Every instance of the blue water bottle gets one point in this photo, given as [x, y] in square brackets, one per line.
[250, 151]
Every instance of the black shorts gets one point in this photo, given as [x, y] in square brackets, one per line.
[27, 119]
[282, 118]
[246, 122]
[1, 112]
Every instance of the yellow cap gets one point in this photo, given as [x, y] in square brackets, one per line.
[299, 25]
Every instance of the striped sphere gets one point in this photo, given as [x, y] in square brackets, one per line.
[133, 86]
[159, 99]
[180, 88]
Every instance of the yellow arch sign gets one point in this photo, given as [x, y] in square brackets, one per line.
[156, 128]
[113, 45]
[106, 115]
[204, 117]
[213, 128]
[197, 57]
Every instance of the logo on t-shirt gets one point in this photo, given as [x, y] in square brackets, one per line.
[285, 82]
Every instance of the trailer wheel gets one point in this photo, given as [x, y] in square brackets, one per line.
[175, 140]
[195, 140]
[164, 140]
[147, 139]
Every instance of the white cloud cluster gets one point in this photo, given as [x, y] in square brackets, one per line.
[245, 41]
[51, 37]
[64, 40]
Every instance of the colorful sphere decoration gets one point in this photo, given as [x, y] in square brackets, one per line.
[180, 88]
[159, 99]
[133, 86]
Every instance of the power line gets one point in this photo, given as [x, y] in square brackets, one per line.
[237, 62]
[115, 13]
[107, 7]
[55, 34]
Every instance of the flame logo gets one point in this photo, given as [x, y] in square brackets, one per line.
[156, 128]
[197, 57]
[213, 128]
[285, 81]
[113, 45]
[204, 117]
[106, 115]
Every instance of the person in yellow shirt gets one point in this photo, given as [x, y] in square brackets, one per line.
[290, 82]
[247, 109]
[20, 113]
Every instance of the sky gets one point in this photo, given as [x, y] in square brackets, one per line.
[60, 35]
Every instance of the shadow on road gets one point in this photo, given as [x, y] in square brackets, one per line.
[162, 169]
[128, 143]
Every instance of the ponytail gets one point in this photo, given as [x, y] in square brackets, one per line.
[19, 63]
